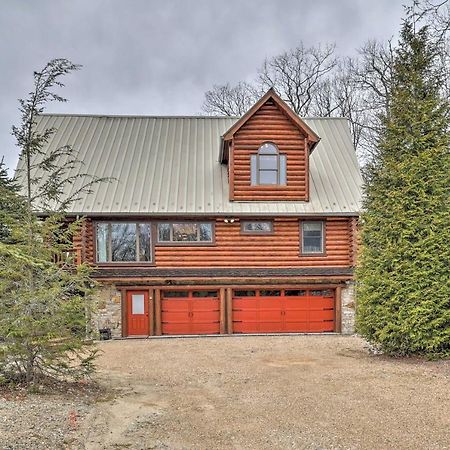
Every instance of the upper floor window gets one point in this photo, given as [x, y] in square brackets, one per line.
[268, 166]
[312, 238]
[257, 227]
[185, 232]
[123, 242]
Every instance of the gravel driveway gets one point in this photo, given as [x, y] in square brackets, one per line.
[271, 392]
[265, 392]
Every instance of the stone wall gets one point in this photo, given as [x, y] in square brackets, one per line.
[348, 309]
[107, 313]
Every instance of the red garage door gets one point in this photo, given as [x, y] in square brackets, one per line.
[283, 311]
[190, 312]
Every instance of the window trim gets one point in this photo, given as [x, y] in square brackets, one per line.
[254, 232]
[258, 169]
[125, 263]
[324, 237]
[210, 243]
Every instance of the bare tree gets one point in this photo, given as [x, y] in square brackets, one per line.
[297, 74]
[436, 14]
[230, 100]
[371, 75]
[338, 96]
[314, 81]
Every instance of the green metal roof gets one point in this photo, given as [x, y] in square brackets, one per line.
[169, 165]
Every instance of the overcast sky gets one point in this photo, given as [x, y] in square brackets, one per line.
[158, 57]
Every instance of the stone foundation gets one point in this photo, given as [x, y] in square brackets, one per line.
[348, 308]
[107, 313]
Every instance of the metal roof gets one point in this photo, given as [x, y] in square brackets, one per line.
[169, 165]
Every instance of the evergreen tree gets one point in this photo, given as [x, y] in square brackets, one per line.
[11, 205]
[404, 265]
[45, 298]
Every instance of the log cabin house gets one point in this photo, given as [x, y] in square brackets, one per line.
[218, 225]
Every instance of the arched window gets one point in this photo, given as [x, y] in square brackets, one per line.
[268, 166]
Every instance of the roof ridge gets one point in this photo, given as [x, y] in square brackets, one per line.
[166, 116]
[139, 116]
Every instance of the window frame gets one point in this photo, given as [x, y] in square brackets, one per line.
[324, 234]
[258, 169]
[256, 232]
[124, 263]
[171, 243]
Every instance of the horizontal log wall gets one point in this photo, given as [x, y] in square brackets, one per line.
[269, 123]
[280, 249]
[84, 241]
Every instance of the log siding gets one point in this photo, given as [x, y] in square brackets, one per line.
[234, 249]
[269, 124]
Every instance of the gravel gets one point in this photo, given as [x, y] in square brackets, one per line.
[41, 422]
[258, 392]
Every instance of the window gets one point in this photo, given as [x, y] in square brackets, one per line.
[123, 242]
[312, 234]
[269, 293]
[212, 294]
[137, 304]
[268, 166]
[187, 232]
[245, 293]
[294, 293]
[257, 227]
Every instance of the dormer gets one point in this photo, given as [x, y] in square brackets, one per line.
[267, 151]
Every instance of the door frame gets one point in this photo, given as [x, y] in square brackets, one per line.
[124, 307]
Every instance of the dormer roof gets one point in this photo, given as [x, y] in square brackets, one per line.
[310, 134]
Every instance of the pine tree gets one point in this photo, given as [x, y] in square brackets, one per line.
[404, 266]
[45, 298]
[11, 205]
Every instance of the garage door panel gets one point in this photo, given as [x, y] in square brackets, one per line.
[175, 316]
[204, 304]
[190, 312]
[325, 315]
[257, 316]
[256, 327]
[321, 327]
[205, 316]
[245, 303]
[205, 328]
[175, 304]
[294, 310]
[295, 326]
[175, 328]
[297, 316]
[318, 302]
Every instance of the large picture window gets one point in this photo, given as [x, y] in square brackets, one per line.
[185, 232]
[123, 242]
[268, 166]
[312, 238]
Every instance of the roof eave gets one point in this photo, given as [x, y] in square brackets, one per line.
[312, 136]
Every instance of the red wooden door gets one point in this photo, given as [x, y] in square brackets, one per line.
[283, 311]
[137, 313]
[190, 312]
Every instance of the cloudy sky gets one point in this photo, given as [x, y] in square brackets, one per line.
[158, 57]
